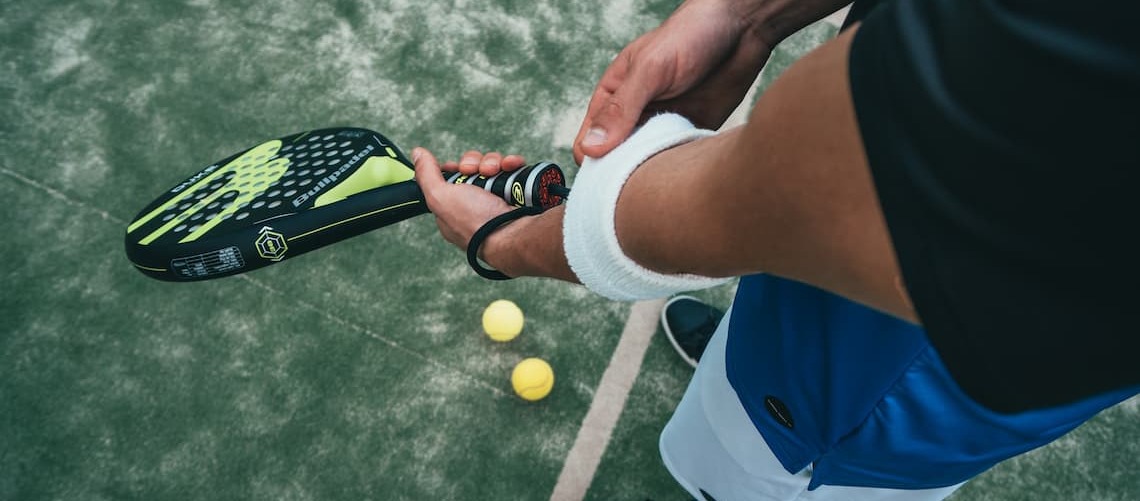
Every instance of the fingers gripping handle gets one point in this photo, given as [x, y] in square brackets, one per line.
[533, 189]
[539, 185]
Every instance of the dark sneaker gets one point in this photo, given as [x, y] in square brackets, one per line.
[689, 324]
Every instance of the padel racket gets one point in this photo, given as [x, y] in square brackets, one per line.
[290, 195]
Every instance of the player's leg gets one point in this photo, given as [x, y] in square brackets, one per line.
[710, 445]
[713, 449]
[841, 493]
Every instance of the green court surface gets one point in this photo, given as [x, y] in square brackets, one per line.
[355, 372]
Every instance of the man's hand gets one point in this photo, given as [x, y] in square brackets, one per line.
[461, 209]
[699, 63]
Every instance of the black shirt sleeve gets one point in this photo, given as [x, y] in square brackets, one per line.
[1004, 142]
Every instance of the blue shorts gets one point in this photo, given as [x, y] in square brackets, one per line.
[710, 445]
[863, 398]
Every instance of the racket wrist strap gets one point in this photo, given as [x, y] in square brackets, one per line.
[589, 234]
[485, 231]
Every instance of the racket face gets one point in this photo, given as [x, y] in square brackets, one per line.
[273, 201]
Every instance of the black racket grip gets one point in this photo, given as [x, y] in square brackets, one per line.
[539, 185]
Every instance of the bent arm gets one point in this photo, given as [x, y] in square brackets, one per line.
[775, 20]
[790, 193]
[700, 63]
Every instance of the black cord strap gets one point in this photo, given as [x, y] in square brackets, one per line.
[484, 231]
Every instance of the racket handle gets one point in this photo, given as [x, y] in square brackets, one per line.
[542, 184]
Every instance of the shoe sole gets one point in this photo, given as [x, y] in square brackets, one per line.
[669, 333]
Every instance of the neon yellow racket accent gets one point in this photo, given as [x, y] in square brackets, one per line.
[253, 173]
[273, 172]
[376, 172]
[338, 223]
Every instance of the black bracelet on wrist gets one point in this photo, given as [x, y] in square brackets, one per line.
[484, 231]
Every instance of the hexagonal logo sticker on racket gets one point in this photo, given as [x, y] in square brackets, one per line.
[270, 244]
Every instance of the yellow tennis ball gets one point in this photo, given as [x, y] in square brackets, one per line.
[502, 320]
[532, 379]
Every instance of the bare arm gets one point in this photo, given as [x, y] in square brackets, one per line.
[790, 194]
[699, 63]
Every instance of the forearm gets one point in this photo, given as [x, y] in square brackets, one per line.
[531, 247]
[790, 194]
[670, 217]
[775, 20]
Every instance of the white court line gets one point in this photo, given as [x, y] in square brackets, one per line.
[58, 194]
[498, 392]
[609, 400]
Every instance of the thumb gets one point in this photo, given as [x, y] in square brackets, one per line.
[612, 116]
[428, 174]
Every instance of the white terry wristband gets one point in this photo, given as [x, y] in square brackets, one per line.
[588, 231]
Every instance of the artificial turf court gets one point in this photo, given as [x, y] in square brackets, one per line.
[356, 372]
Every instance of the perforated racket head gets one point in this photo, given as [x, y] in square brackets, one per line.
[273, 201]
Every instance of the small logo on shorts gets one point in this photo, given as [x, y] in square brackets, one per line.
[779, 411]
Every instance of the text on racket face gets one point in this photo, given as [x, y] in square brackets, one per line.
[197, 177]
[333, 177]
